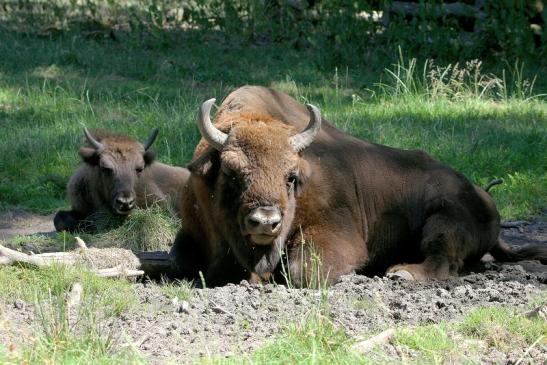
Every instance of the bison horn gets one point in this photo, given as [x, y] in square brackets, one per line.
[96, 144]
[303, 139]
[212, 134]
[151, 139]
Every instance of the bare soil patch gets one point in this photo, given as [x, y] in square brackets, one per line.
[20, 222]
[239, 318]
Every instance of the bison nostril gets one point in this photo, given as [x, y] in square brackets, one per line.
[263, 220]
[252, 222]
[128, 202]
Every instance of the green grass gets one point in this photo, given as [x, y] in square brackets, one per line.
[317, 340]
[56, 339]
[180, 289]
[151, 229]
[503, 329]
[38, 284]
[51, 87]
[312, 340]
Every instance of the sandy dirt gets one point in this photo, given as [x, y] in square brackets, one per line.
[20, 222]
[239, 318]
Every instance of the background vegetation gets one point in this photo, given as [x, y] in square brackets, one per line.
[471, 99]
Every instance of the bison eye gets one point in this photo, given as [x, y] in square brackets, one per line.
[227, 171]
[106, 170]
[139, 169]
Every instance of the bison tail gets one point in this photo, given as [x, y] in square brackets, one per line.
[503, 252]
[492, 184]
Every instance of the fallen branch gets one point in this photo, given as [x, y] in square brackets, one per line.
[104, 262]
[366, 346]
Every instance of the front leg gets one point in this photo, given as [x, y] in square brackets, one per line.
[319, 257]
[72, 221]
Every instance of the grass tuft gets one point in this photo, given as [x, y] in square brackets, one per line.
[312, 340]
[30, 284]
[151, 229]
[180, 289]
[503, 328]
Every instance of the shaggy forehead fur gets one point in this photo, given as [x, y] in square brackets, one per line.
[119, 146]
[254, 139]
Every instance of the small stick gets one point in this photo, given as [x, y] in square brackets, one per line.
[382, 338]
[117, 271]
[218, 309]
[80, 243]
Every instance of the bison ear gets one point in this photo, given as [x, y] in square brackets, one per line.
[205, 164]
[89, 155]
[304, 175]
[149, 157]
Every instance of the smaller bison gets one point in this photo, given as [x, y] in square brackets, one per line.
[117, 174]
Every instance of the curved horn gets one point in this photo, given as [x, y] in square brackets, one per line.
[96, 144]
[151, 139]
[215, 137]
[303, 139]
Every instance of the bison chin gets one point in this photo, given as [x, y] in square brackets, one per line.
[260, 239]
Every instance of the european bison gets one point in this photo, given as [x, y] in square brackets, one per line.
[264, 185]
[117, 174]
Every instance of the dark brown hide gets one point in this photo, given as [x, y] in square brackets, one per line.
[360, 206]
[117, 177]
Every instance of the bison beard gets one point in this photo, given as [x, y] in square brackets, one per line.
[359, 206]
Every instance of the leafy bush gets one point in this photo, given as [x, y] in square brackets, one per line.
[343, 31]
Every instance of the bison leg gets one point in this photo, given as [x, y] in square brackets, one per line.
[444, 246]
[322, 261]
[73, 221]
[66, 220]
[190, 263]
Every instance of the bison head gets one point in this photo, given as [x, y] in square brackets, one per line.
[119, 162]
[254, 171]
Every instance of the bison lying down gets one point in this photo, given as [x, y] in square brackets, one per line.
[117, 174]
[271, 176]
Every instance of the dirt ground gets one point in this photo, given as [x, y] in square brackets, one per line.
[238, 318]
[20, 222]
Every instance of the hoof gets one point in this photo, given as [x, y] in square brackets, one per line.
[400, 274]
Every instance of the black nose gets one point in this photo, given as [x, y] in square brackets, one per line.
[125, 202]
[263, 220]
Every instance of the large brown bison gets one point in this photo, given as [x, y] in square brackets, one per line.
[117, 174]
[271, 178]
